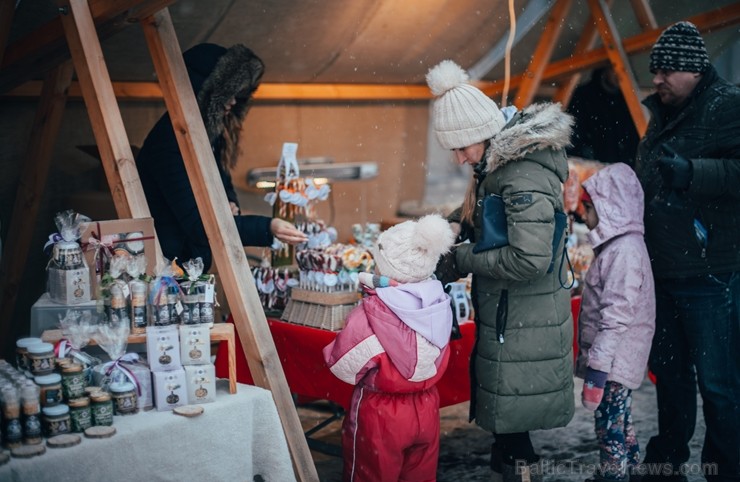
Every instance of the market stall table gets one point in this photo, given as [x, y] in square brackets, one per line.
[238, 437]
[300, 350]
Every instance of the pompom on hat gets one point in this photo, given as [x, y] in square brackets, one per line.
[408, 252]
[462, 115]
[680, 48]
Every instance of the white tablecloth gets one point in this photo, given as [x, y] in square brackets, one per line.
[236, 438]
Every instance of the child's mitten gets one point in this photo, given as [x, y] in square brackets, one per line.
[593, 388]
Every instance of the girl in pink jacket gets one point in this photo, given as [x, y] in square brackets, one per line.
[394, 349]
[617, 318]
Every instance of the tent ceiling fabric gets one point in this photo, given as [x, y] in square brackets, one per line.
[364, 41]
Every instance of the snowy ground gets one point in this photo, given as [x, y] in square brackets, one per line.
[465, 448]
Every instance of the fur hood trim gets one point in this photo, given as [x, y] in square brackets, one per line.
[537, 127]
[236, 74]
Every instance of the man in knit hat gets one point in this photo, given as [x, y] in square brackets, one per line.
[689, 166]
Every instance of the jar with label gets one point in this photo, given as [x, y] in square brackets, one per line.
[31, 414]
[51, 389]
[124, 398]
[101, 407]
[138, 306]
[80, 414]
[21, 352]
[119, 312]
[10, 403]
[55, 420]
[73, 381]
[41, 358]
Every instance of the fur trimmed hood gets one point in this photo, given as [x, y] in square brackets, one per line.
[217, 75]
[537, 127]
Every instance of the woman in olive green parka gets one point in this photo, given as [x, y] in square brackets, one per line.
[522, 363]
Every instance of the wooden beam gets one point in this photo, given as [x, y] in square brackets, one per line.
[586, 42]
[581, 60]
[30, 193]
[7, 10]
[105, 116]
[644, 14]
[228, 253]
[532, 77]
[46, 47]
[719, 18]
[618, 58]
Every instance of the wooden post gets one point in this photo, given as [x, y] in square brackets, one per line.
[228, 253]
[585, 43]
[644, 14]
[617, 56]
[532, 77]
[105, 116]
[30, 192]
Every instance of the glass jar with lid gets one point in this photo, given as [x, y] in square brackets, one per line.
[21, 352]
[41, 359]
[101, 407]
[73, 381]
[124, 398]
[55, 420]
[80, 414]
[51, 389]
[31, 413]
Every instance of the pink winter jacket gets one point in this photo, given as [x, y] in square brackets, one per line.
[617, 319]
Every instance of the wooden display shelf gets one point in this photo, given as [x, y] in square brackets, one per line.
[219, 332]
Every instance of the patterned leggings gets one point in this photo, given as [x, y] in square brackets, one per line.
[618, 447]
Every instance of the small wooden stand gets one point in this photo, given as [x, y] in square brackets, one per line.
[219, 332]
[325, 310]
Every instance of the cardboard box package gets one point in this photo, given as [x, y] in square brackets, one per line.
[163, 348]
[201, 383]
[170, 389]
[69, 286]
[195, 344]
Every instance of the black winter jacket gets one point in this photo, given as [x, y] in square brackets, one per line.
[706, 131]
[217, 75]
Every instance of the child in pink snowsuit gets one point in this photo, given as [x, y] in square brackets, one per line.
[617, 318]
[394, 349]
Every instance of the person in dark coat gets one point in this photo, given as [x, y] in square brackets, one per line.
[223, 81]
[689, 166]
[604, 130]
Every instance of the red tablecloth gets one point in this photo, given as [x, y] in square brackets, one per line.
[299, 348]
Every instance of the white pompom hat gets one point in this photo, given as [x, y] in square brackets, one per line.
[408, 252]
[462, 115]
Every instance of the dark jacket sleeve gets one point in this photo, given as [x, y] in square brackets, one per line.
[254, 230]
[720, 176]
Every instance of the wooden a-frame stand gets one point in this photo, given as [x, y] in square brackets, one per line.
[79, 24]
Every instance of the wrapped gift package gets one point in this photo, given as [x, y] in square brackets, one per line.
[100, 239]
[122, 372]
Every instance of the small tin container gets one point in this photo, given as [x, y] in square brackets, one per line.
[124, 398]
[56, 420]
[101, 407]
[51, 389]
[21, 352]
[80, 414]
[73, 381]
[67, 255]
[41, 358]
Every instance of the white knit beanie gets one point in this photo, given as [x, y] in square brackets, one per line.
[462, 115]
[408, 252]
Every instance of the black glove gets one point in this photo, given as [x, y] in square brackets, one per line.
[675, 169]
[446, 270]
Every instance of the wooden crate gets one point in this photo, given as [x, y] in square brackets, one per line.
[319, 309]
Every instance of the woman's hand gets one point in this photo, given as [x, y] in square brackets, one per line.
[287, 232]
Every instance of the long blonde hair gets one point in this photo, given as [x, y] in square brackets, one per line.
[230, 149]
[471, 194]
